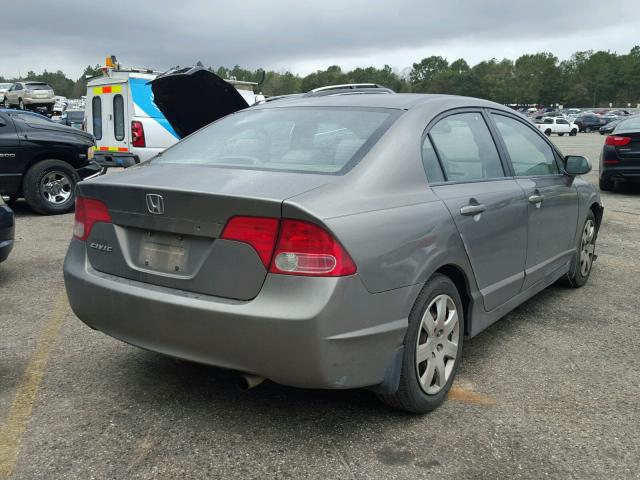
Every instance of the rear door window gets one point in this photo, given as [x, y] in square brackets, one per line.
[118, 117]
[465, 148]
[530, 154]
[96, 116]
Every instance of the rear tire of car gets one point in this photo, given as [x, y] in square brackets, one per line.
[586, 248]
[49, 187]
[437, 348]
[606, 185]
[573, 133]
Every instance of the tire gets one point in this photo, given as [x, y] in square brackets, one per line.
[586, 250]
[561, 134]
[573, 133]
[587, 129]
[20, 104]
[606, 185]
[601, 132]
[439, 294]
[49, 187]
[547, 132]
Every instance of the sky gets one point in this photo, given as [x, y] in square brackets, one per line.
[303, 36]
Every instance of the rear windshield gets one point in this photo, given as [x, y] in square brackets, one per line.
[38, 86]
[315, 140]
[629, 124]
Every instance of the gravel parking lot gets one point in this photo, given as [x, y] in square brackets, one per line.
[549, 391]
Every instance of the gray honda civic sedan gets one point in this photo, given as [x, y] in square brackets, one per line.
[337, 242]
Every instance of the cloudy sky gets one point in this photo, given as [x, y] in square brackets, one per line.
[302, 36]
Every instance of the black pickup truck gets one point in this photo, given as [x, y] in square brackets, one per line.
[41, 160]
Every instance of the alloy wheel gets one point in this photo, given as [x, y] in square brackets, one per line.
[56, 187]
[587, 247]
[437, 344]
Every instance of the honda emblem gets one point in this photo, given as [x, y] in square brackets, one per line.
[155, 203]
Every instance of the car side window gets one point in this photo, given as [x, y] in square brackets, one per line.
[18, 87]
[430, 162]
[562, 122]
[548, 120]
[118, 117]
[465, 148]
[530, 154]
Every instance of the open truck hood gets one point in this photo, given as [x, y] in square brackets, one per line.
[191, 98]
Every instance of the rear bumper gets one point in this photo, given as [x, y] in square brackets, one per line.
[298, 331]
[6, 232]
[609, 172]
[116, 159]
[38, 101]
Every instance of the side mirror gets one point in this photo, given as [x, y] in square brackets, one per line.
[576, 165]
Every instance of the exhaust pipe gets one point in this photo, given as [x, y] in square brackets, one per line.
[248, 381]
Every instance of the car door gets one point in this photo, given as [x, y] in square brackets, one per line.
[10, 157]
[10, 95]
[552, 197]
[489, 209]
[562, 126]
[108, 114]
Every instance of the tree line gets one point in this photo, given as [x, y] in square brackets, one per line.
[587, 79]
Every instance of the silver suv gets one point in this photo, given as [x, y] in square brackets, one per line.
[30, 95]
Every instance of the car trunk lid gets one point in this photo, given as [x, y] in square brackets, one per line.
[167, 221]
[191, 98]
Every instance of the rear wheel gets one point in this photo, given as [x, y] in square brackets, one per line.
[586, 252]
[547, 132]
[432, 348]
[606, 185]
[573, 132]
[49, 187]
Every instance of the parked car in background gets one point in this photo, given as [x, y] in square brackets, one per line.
[30, 95]
[620, 158]
[7, 229]
[42, 161]
[590, 123]
[608, 128]
[278, 242]
[557, 125]
[3, 90]
[72, 118]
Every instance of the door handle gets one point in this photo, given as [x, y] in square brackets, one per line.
[536, 198]
[472, 209]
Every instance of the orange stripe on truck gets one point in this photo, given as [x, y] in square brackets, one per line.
[112, 149]
[107, 89]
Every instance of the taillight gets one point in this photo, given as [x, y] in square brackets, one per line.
[300, 248]
[304, 248]
[259, 232]
[137, 134]
[89, 211]
[616, 141]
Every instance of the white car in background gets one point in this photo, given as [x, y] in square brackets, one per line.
[557, 125]
[3, 89]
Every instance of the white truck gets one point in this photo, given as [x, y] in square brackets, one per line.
[557, 125]
[122, 115]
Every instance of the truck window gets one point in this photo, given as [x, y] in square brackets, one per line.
[96, 114]
[118, 117]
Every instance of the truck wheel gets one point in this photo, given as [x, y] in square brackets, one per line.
[49, 187]
[20, 104]
[547, 132]
[573, 133]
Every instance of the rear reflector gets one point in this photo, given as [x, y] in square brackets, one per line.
[137, 134]
[259, 232]
[616, 141]
[304, 248]
[89, 211]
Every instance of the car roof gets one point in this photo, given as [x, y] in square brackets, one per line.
[401, 101]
